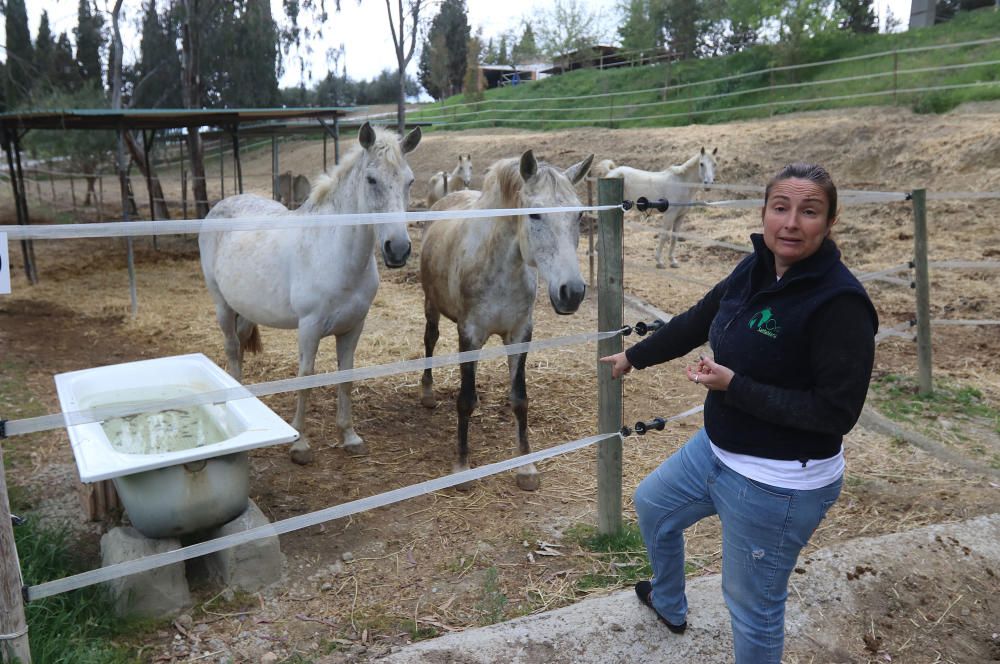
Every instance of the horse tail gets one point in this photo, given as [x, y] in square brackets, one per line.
[249, 341]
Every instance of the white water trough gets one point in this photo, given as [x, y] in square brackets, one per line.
[180, 470]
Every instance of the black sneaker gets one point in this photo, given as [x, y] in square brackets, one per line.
[644, 590]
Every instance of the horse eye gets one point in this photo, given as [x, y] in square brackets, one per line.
[371, 180]
[536, 217]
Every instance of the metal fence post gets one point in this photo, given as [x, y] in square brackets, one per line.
[610, 303]
[923, 291]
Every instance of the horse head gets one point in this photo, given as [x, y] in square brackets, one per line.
[382, 181]
[465, 169]
[549, 241]
[706, 166]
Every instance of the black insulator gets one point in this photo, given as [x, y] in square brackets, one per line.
[625, 432]
[642, 204]
[625, 330]
[626, 205]
[655, 424]
[642, 328]
[16, 520]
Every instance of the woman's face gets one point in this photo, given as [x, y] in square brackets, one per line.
[796, 219]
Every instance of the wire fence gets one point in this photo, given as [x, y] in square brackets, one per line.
[968, 67]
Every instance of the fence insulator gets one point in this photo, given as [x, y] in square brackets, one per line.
[657, 424]
[642, 204]
[643, 328]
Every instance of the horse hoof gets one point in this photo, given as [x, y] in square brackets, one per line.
[302, 457]
[675, 264]
[529, 481]
[428, 402]
[357, 449]
[660, 266]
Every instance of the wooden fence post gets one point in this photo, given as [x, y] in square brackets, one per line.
[591, 222]
[610, 302]
[12, 623]
[923, 291]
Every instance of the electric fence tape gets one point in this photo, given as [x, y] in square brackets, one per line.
[285, 221]
[60, 420]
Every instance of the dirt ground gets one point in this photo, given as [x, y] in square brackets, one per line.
[358, 587]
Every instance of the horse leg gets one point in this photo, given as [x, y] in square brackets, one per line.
[227, 321]
[673, 237]
[528, 478]
[309, 336]
[431, 334]
[346, 344]
[466, 402]
[664, 232]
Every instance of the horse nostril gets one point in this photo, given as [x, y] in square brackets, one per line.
[563, 293]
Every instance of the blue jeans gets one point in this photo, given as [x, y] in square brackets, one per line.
[763, 530]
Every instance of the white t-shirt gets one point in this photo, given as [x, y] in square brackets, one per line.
[816, 474]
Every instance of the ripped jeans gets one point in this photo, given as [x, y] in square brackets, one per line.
[763, 530]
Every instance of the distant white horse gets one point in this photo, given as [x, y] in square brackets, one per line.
[443, 183]
[483, 274]
[319, 280]
[669, 184]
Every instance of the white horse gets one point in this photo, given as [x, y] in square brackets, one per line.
[669, 184]
[319, 280]
[483, 274]
[443, 183]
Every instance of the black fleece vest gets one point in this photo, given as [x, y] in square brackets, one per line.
[761, 331]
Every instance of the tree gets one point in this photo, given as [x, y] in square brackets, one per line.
[159, 66]
[45, 52]
[65, 72]
[442, 62]
[470, 86]
[858, 16]
[566, 26]
[89, 40]
[640, 29]
[20, 56]
[526, 50]
[403, 27]
[684, 23]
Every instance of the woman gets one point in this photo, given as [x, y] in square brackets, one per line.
[793, 333]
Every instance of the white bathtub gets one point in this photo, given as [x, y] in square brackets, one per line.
[176, 471]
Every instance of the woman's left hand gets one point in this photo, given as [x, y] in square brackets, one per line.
[710, 374]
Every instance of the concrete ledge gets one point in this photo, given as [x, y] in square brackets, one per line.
[826, 592]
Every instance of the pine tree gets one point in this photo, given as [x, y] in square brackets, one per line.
[21, 71]
[159, 66]
[639, 31]
[45, 52]
[471, 84]
[526, 49]
[858, 16]
[683, 26]
[65, 72]
[442, 64]
[89, 40]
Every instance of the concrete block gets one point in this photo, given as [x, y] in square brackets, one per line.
[250, 566]
[159, 592]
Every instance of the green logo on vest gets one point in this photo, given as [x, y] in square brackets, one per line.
[765, 323]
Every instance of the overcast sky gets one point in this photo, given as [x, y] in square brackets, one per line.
[362, 29]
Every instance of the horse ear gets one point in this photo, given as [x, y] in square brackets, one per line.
[577, 172]
[703, 149]
[412, 140]
[366, 136]
[715, 151]
[529, 166]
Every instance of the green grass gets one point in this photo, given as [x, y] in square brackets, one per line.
[525, 105]
[492, 606]
[78, 627]
[899, 399]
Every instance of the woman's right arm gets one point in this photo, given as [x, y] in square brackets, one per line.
[682, 334]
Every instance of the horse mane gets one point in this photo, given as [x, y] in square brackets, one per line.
[503, 179]
[385, 147]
